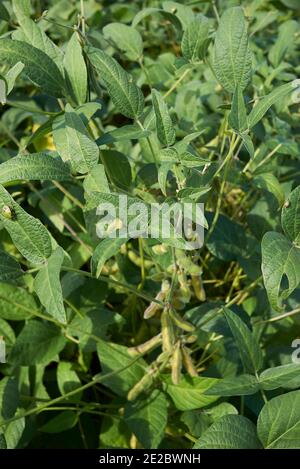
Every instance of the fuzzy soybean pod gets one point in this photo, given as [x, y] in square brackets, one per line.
[198, 287]
[180, 322]
[187, 362]
[167, 331]
[176, 364]
[146, 346]
[141, 385]
[154, 307]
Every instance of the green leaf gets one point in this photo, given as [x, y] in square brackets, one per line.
[238, 115]
[22, 9]
[195, 39]
[106, 249]
[228, 240]
[190, 392]
[287, 33]
[242, 385]
[270, 183]
[126, 96]
[16, 303]
[163, 172]
[124, 133]
[290, 216]
[29, 235]
[12, 75]
[94, 324]
[156, 11]
[147, 418]
[264, 104]
[249, 349]
[14, 431]
[280, 259]
[39, 67]
[248, 144]
[114, 434]
[9, 397]
[7, 331]
[62, 422]
[32, 34]
[96, 180]
[3, 91]
[164, 124]
[229, 432]
[48, 288]
[279, 376]
[10, 270]
[278, 424]
[232, 56]
[75, 70]
[113, 357]
[37, 343]
[73, 142]
[34, 166]
[3, 444]
[117, 167]
[183, 12]
[125, 38]
[67, 379]
[4, 15]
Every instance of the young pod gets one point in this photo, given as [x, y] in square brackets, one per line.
[190, 339]
[154, 307]
[198, 287]
[184, 292]
[146, 346]
[160, 249]
[181, 323]
[187, 362]
[163, 357]
[151, 310]
[140, 386]
[176, 364]
[8, 212]
[167, 331]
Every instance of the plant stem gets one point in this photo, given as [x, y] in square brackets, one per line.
[113, 282]
[96, 380]
[233, 145]
[281, 316]
[174, 86]
[82, 17]
[143, 273]
[68, 194]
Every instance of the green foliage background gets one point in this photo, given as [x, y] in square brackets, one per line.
[140, 343]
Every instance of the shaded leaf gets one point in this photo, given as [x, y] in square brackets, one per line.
[29, 235]
[125, 94]
[195, 39]
[278, 424]
[249, 349]
[38, 66]
[126, 38]
[48, 288]
[164, 125]
[114, 357]
[232, 56]
[147, 418]
[230, 432]
[280, 258]
[75, 70]
[34, 166]
[37, 343]
[190, 392]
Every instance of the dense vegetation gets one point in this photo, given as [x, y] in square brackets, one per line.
[142, 343]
